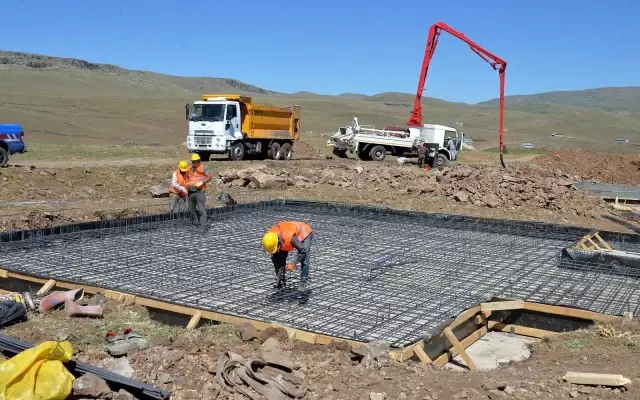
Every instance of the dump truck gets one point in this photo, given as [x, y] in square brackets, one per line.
[232, 124]
[11, 142]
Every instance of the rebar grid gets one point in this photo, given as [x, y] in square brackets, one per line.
[376, 274]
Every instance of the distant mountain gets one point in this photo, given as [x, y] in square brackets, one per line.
[607, 99]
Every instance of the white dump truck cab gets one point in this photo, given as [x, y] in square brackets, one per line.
[443, 143]
[214, 124]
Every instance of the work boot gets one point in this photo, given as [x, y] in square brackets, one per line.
[302, 286]
[280, 284]
[75, 310]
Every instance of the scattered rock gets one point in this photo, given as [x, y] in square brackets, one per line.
[92, 386]
[266, 181]
[493, 385]
[64, 336]
[497, 394]
[377, 396]
[188, 394]
[161, 189]
[247, 332]
[239, 182]
[627, 317]
[372, 355]
[228, 175]
[165, 378]
[279, 334]
[120, 366]
[573, 394]
[461, 196]
[509, 390]
[123, 395]
[461, 395]
[173, 357]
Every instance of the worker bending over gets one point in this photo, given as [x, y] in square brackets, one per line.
[178, 187]
[279, 240]
[199, 176]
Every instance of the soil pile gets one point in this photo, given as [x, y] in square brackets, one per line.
[619, 169]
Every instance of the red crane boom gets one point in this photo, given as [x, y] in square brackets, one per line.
[496, 63]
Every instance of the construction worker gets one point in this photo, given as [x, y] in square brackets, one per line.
[178, 187]
[422, 155]
[279, 240]
[199, 176]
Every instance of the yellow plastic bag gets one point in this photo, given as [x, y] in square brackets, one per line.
[37, 373]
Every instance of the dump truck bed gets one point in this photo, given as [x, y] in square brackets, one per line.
[267, 122]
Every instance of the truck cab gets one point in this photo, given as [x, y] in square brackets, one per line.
[213, 124]
[11, 142]
[444, 143]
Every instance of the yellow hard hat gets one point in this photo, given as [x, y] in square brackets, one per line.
[270, 242]
[183, 166]
[195, 157]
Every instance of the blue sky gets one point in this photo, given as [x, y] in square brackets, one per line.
[333, 46]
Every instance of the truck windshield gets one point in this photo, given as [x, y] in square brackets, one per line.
[207, 112]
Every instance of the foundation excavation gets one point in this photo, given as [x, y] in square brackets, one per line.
[375, 275]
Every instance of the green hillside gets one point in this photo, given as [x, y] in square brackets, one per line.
[67, 101]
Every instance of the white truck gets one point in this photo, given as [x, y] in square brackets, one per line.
[369, 143]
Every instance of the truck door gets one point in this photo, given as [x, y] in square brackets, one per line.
[232, 121]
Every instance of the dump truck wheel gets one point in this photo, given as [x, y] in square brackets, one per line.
[363, 156]
[274, 151]
[287, 151]
[4, 157]
[236, 152]
[378, 153]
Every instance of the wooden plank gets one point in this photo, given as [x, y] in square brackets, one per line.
[466, 342]
[502, 305]
[593, 379]
[195, 320]
[568, 312]
[602, 241]
[458, 347]
[464, 316]
[46, 287]
[520, 330]
[419, 352]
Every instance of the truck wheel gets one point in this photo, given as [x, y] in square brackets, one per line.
[274, 151]
[363, 156]
[287, 151]
[236, 152]
[378, 153]
[4, 157]
[440, 161]
[204, 156]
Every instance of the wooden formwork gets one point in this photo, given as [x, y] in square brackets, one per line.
[471, 325]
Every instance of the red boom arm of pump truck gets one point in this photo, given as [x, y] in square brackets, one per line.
[496, 63]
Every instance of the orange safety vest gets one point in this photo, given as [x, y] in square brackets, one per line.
[288, 229]
[181, 181]
[196, 175]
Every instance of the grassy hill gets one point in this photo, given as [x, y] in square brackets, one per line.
[64, 102]
[608, 99]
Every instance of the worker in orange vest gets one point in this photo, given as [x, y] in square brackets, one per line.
[178, 187]
[279, 240]
[199, 176]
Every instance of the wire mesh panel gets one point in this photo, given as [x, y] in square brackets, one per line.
[376, 274]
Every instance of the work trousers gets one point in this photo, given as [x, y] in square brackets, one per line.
[280, 261]
[178, 203]
[198, 207]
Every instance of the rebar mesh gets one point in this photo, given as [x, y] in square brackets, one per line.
[376, 274]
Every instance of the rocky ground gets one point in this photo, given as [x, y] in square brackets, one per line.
[521, 191]
[184, 362]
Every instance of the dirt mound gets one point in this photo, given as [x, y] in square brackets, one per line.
[620, 169]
